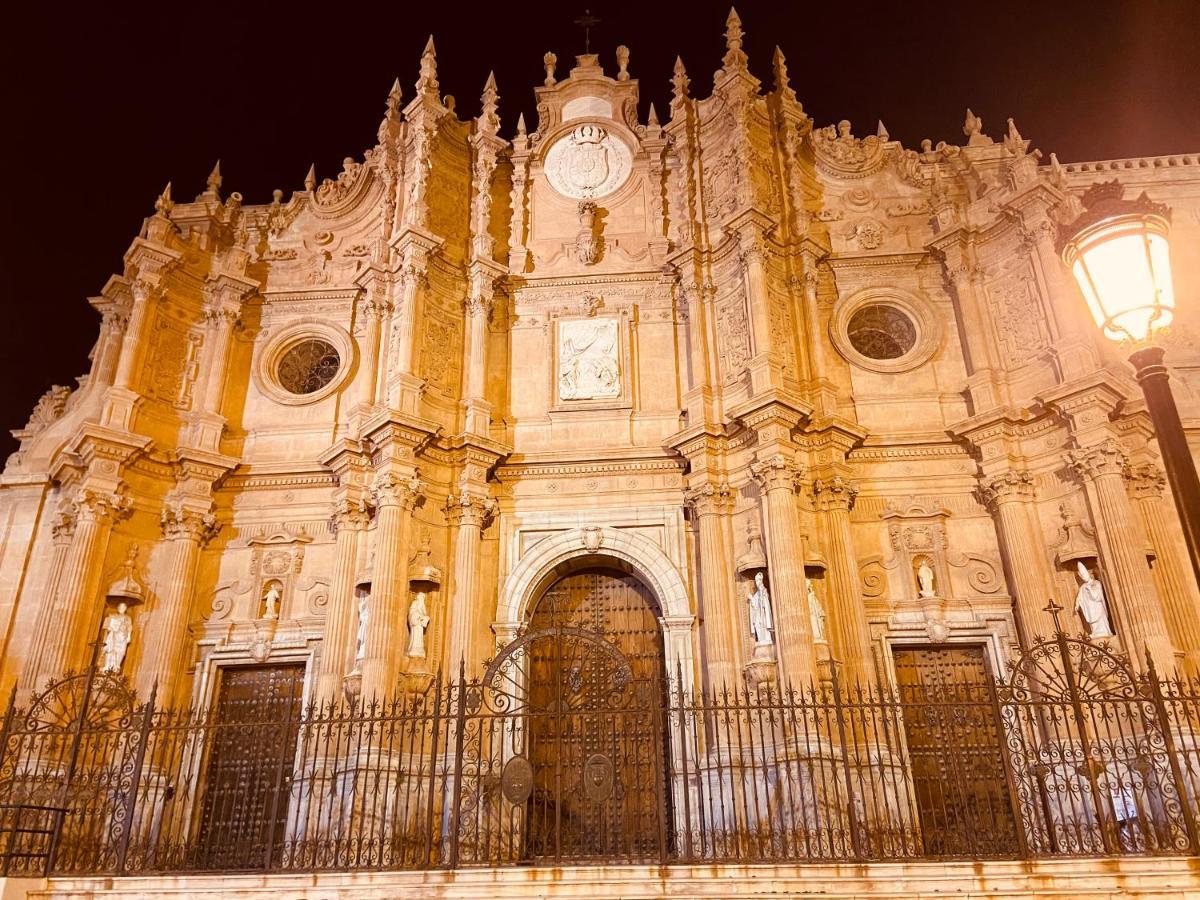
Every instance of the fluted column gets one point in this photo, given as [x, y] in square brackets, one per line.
[405, 320]
[108, 349]
[1010, 497]
[723, 626]
[850, 638]
[50, 613]
[778, 475]
[1130, 589]
[79, 584]
[468, 514]
[394, 495]
[131, 344]
[373, 316]
[221, 322]
[187, 530]
[1176, 589]
[350, 519]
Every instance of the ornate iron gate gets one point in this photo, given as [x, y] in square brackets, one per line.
[564, 746]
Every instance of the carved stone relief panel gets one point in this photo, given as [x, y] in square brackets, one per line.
[1020, 321]
[733, 334]
[588, 364]
[589, 162]
[175, 363]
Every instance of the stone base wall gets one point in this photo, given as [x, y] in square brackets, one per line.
[1085, 879]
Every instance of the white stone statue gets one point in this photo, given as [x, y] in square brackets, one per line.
[360, 649]
[816, 611]
[118, 632]
[271, 602]
[1089, 603]
[761, 617]
[925, 578]
[418, 621]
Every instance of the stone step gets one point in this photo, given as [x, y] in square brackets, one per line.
[1076, 879]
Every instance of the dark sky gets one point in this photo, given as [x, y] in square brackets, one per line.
[104, 103]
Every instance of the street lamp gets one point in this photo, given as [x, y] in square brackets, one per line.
[1119, 252]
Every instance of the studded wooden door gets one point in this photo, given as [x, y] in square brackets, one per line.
[248, 772]
[596, 740]
[952, 728]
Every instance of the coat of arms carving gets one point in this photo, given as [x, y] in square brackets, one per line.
[587, 163]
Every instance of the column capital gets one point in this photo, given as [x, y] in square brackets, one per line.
[180, 522]
[62, 526]
[710, 498]
[1005, 487]
[350, 513]
[1105, 458]
[835, 492]
[777, 472]
[1146, 480]
[101, 507]
[467, 508]
[392, 489]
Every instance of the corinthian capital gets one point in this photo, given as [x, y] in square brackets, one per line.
[397, 490]
[1105, 458]
[1146, 480]
[709, 499]
[1015, 484]
[354, 514]
[470, 509]
[835, 492]
[101, 507]
[777, 472]
[179, 522]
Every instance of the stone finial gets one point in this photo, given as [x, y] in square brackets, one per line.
[735, 59]
[622, 63]
[213, 184]
[652, 117]
[549, 61]
[310, 179]
[395, 95]
[489, 100]
[881, 131]
[1013, 142]
[164, 204]
[427, 83]
[973, 129]
[521, 125]
[783, 85]
[679, 82]
[1058, 175]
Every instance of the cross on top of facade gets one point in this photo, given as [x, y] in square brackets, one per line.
[587, 22]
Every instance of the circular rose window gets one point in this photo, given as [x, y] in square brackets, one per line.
[880, 331]
[308, 366]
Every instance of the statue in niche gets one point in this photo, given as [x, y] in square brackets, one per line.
[816, 612]
[925, 578]
[1090, 604]
[271, 601]
[118, 632]
[418, 621]
[761, 617]
[360, 648]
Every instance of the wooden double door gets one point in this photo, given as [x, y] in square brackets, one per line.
[953, 733]
[594, 714]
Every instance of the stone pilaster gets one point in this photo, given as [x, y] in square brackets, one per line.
[50, 613]
[1010, 496]
[187, 529]
[1128, 585]
[778, 475]
[1175, 587]
[394, 496]
[851, 641]
[723, 624]
[469, 511]
[478, 308]
[351, 516]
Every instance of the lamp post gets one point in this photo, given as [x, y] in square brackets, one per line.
[1119, 252]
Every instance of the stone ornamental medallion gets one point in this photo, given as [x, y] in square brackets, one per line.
[587, 163]
[516, 781]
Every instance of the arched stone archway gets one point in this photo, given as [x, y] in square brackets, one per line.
[627, 551]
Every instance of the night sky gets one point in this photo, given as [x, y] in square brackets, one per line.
[104, 103]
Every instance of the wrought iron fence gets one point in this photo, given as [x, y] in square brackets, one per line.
[1070, 754]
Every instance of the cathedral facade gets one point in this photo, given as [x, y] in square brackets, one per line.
[816, 400]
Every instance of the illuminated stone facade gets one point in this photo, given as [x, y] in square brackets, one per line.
[720, 340]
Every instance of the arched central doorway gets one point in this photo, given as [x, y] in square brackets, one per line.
[593, 713]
